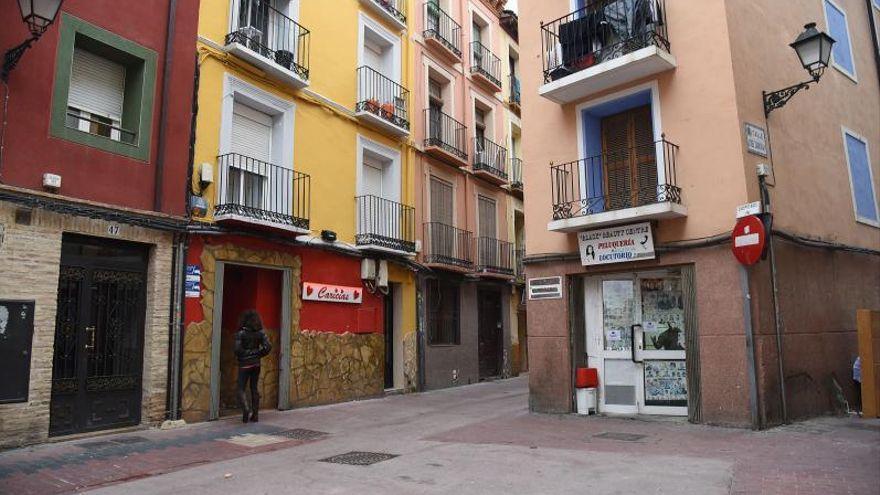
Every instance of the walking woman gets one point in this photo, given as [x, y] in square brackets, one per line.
[251, 345]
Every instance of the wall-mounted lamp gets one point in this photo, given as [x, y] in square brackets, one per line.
[38, 15]
[813, 48]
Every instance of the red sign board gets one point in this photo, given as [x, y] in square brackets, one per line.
[749, 238]
[332, 293]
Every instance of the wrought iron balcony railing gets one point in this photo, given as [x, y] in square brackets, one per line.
[616, 180]
[397, 8]
[601, 31]
[441, 27]
[485, 63]
[445, 132]
[270, 33]
[516, 177]
[490, 157]
[515, 94]
[261, 191]
[385, 223]
[447, 245]
[495, 256]
[383, 97]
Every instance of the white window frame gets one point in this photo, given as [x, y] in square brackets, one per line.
[478, 17]
[849, 38]
[860, 219]
[290, 9]
[448, 80]
[282, 111]
[366, 22]
[391, 174]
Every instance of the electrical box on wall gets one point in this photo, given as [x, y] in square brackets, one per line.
[368, 269]
[52, 181]
[206, 173]
[382, 275]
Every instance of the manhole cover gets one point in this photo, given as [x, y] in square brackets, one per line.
[623, 437]
[359, 458]
[301, 434]
[253, 440]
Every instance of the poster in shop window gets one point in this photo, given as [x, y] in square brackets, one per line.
[662, 313]
[665, 383]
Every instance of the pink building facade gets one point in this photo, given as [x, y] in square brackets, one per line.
[463, 186]
[644, 130]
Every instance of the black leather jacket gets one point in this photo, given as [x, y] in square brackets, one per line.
[251, 346]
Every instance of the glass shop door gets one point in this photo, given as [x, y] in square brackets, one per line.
[635, 338]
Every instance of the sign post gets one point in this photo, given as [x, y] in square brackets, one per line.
[749, 239]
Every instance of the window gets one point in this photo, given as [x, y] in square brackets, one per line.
[841, 52]
[442, 312]
[104, 87]
[480, 125]
[861, 178]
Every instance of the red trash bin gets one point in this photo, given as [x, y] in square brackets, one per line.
[587, 378]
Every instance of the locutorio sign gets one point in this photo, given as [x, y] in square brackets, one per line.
[617, 244]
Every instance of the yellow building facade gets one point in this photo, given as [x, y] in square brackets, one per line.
[301, 190]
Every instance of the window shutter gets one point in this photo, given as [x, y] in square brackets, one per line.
[616, 148]
[251, 133]
[441, 201]
[487, 217]
[97, 85]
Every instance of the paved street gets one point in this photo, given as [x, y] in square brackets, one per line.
[476, 439]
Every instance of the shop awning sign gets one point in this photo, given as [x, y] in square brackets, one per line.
[332, 293]
[620, 244]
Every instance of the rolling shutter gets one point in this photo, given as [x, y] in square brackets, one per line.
[251, 133]
[97, 85]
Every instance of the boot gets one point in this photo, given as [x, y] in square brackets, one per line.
[255, 408]
[244, 415]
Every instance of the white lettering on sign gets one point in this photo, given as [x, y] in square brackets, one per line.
[746, 240]
[756, 140]
[545, 288]
[332, 293]
[616, 244]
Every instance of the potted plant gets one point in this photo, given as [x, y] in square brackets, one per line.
[388, 110]
[284, 58]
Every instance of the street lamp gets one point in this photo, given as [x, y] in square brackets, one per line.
[813, 48]
[38, 15]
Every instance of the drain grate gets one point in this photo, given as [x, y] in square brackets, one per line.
[359, 458]
[301, 434]
[623, 437]
[130, 440]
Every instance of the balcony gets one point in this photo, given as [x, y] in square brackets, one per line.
[516, 178]
[445, 138]
[447, 247]
[514, 100]
[621, 186]
[393, 11]
[606, 44]
[271, 41]
[490, 161]
[258, 193]
[385, 225]
[442, 32]
[485, 67]
[382, 103]
[495, 257]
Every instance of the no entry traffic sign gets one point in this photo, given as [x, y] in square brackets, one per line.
[749, 237]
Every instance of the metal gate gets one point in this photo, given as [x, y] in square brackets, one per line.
[99, 335]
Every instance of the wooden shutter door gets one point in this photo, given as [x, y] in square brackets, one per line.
[442, 239]
[487, 230]
[629, 156]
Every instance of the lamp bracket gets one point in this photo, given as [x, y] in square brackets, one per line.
[13, 55]
[778, 99]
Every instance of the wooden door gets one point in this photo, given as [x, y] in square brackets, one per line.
[490, 332]
[629, 159]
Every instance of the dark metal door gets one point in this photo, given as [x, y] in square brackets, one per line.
[489, 332]
[99, 335]
[16, 335]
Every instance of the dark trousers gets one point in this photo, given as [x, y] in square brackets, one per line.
[252, 376]
[858, 388]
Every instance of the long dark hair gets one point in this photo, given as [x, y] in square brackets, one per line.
[251, 320]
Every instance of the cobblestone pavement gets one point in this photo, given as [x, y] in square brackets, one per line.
[476, 439]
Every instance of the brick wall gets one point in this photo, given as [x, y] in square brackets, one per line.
[29, 264]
